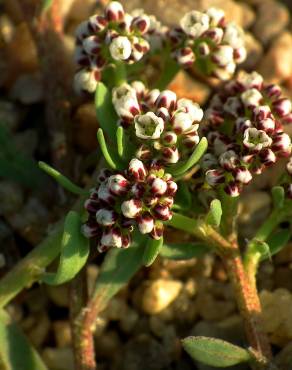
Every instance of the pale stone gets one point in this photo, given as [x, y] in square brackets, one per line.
[58, 358]
[62, 333]
[254, 52]
[159, 294]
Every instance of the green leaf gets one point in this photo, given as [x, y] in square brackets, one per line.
[74, 252]
[151, 251]
[46, 4]
[183, 251]
[105, 112]
[215, 352]
[213, 217]
[62, 180]
[181, 168]
[111, 161]
[258, 250]
[277, 241]
[183, 197]
[117, 269]
[15, 351]
[278, 195]
[14, 165]
[120, 141]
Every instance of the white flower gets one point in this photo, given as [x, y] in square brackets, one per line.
[182, 122]
[228, 160]
[114, 11]
[137, 169]
[125, 101]
[158, 186]
[215, 15]
[249, 80]
[166, 99]
[232, 105]
[243, 175]
[105, 217]
[223, 56]
[91, 44]
[256, 139]
[145, 224]
[85, 80]
[131, 208]
[195, 23]
[148, 126]
[120, 48]
[234, 35]
[118, 184]
[251, 97]
[192, 108]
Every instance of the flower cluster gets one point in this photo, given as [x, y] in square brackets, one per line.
[140, 197]
[244, 128]
[204, 38]
[102, 39]
[164, 127]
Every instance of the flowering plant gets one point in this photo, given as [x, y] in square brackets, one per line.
[169, 163]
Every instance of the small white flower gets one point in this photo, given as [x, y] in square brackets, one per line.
[85, 80]
[229, 160]
[114, 11]
[91, 44]
[166, 99]
[223, 56]
[145, 224]
[182, 122]
[256, 139]
[118, 184]
[82, 30]
[125, 101]
[170, 155]
[148, 126]
[104, 193]
[195, 23]
[120, 48]
[184, 56]
[234, 35]
[131, 208]
[137, 169]
[251, 97]
[232, 105]
[249, 80]
[139, 87]
[192, 108]
[215, 15]
[214, 177]
[243, 175]
[152, 96]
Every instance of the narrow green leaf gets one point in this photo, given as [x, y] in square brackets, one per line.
[105, 112]
[74, 252]
[15, 351]
[179, 169]
[151, 251]
[120, 141]
[215, 352]
[183, 197]
[213, 217]
[258, 250]
[117, 269]
[104, 149]
[277, 241]
[278, 195]
[62, 180]
[46, 4]
[183, 251]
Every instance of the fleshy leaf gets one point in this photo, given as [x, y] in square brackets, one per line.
[181, 168]
[15, 351]
[117, 269]
[105, 112]
[120, 141]
[62, 180]
[151, 251]
[74, 252]
[278, 241]
[183, 251]
[183, 197]
[213, 217]
[111, 158]
[278, 195]
[215, 352]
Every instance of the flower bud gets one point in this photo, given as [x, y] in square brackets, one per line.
[166, 99]
[208, 161]
[181, 122]
[158, 186]
[232, 189]
[148, 126]
[91, 44]
[138, 190]
[120, 48]
[267, 124]
[240, 54]
[125, 101]
[112, 238]
[282, 107]
[185, 57]
[233, 36]
[126, 241]
[215, 34]
[249, 80]
[241, 124]
[251, 97]
[157, 231]
[282, 143]
[82, 31]
[114, 11]
[229, 160]
[91, 205]
[273, 91]
[192, 108]
[216, 16]
[169, 138]
[145, 223]
[104, 193]
[103, 175]
[214, 177]
[86, 80]
[137, 169]
[171, 188]
[131, 208]
[97, 23]
[162, 212]
[242, 175]
[223, 55]
[89, 231]
[141, 23]
[170, 155]
[118, 185]
[106, 217]
[268, 157]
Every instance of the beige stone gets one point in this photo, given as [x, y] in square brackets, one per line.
[62, 333]
[254, 52]
[159, 294]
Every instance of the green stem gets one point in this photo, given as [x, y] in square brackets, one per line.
[275, 218]
[170, 69]
[229, 215]
[120, 73]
